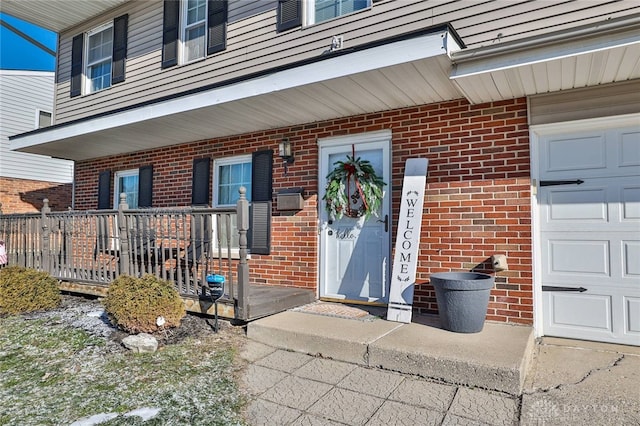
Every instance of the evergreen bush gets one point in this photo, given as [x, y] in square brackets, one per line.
[27, 290]
[134, 304]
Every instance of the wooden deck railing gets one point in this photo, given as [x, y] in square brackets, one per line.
[183, 245]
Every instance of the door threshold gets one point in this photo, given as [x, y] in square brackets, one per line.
[352, 302]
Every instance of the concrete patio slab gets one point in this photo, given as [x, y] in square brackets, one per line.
[495, 358]
[577, 382]
[330, 337]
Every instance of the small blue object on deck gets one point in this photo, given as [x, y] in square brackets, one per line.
[216, 285]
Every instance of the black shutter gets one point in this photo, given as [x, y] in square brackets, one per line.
[119, 57]
[104, 190]
[289, 14]
[260, 227]
[260, 211]
[200, 181]
[145, 186]
[170, 29]
[261, 175]
[216, 26]
[77, 45]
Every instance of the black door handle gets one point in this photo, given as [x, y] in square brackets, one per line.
[386, 222]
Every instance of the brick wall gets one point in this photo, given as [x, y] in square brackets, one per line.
[25, 196]
[477, 199]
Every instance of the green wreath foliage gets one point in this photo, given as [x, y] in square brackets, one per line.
[368, 189]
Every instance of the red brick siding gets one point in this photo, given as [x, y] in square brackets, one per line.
[477, 201]
[25, 196]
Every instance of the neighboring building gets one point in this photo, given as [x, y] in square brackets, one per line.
[181, 102]
[26, 103]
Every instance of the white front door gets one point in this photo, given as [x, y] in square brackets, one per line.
[589, 221]
[354, 253]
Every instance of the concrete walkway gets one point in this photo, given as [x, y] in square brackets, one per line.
[308, 369]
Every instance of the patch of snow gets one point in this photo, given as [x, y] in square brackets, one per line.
[95, 314]
[145, 412]
[95, 419]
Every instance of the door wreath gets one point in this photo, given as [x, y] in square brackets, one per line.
[353, 189]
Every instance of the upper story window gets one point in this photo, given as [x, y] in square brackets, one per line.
[194, 21]
[290, 12]
[98, 57]
[323, 10]
[99, 50]
[192, 29]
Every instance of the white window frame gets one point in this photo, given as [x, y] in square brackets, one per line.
[310, 12]
[182, 50]
[87, 65]
[40, 111]
[228, 161]
[217, 163]
[116, 185]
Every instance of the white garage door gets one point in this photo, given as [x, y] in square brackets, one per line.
[589, 222]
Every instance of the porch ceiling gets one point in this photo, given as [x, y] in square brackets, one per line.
[57, 15]
[408, 72]
[582, 57]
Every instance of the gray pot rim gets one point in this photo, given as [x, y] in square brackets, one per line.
[462, 280]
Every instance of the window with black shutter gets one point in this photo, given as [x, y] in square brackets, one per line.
[199, 26]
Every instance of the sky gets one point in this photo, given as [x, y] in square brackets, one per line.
[16, 53]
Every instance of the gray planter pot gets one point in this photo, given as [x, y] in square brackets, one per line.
[463, 298]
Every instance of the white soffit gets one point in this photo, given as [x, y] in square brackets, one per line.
[412, 71]
[588, 56]
[57, 15]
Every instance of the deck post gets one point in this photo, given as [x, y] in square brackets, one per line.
[242, 211]
[46, 232]
[123, 235]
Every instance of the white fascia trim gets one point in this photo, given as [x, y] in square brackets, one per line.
[555, 46]
[28, 73]
[358, 138]
[584, 125]
[403, 51]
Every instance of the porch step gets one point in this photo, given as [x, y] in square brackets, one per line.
[496, 358]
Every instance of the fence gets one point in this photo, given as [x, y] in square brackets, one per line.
[183, 245]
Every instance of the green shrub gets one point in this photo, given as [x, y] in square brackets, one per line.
[134, 304]
[27, 290]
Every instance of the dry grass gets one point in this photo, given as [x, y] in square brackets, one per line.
[67, 364]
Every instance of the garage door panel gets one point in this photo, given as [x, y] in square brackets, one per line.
[630, 197]
[631, 259]
[578, 204]
[573, 153]
[581, 311]
[579, 257]
[629, 148]
[633, 315]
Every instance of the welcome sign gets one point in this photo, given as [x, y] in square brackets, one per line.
[405, 259]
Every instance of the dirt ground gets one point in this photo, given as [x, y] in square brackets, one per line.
[96, 322]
